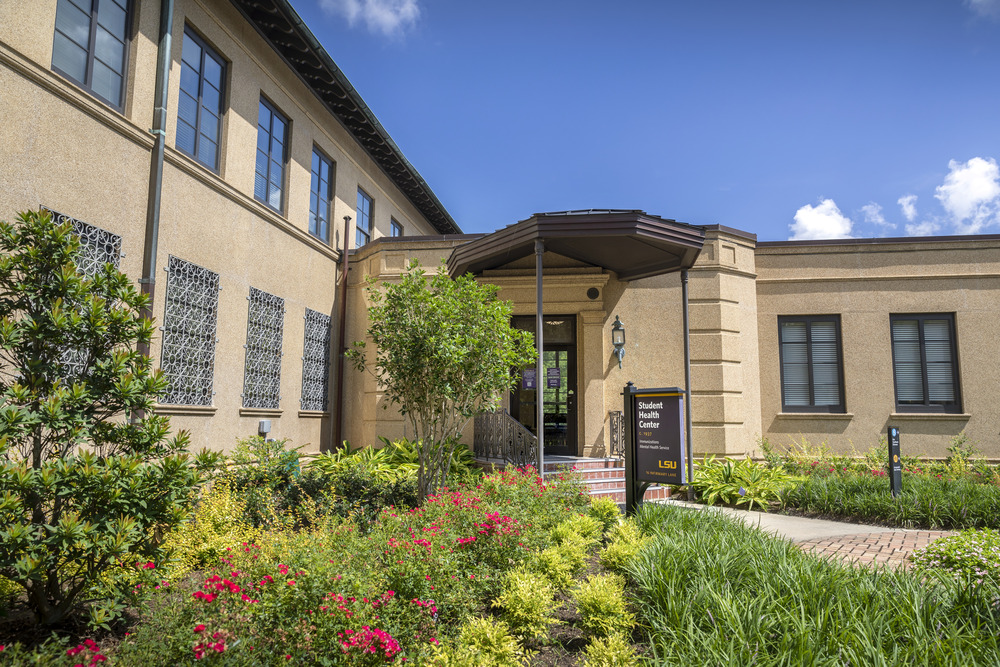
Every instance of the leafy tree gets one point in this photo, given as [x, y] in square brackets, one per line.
[88, 478]
[444, 350]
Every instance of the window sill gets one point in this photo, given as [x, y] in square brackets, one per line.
[260, 412]
[314, 414]
[846, 416]
[931, 416]
[186, 410]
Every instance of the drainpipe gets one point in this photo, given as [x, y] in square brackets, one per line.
[159, 131]
[539, 342]
[687, 384]
[338, 421]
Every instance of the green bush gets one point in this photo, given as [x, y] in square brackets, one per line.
[601, 603]
[606, 512]
[573, 552]
[625, 543]
[81, 487]
[482, 642]
[715, 591]
[745, 482]
[526, 603]
[972, 554]
[553, 565]
[360, 493]
[610, 651]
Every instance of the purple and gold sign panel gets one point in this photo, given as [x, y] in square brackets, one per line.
[659, 437]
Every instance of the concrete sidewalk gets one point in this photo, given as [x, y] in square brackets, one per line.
[856, 542]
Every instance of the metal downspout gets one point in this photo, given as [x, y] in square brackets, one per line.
[687, 383]
[539, 342]
[159, 130]
[338, 422]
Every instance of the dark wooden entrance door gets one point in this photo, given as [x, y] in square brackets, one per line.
[558, 385]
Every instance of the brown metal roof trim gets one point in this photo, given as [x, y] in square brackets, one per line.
[280, 25]
[631, 243]
[880, 241]
[732, 231]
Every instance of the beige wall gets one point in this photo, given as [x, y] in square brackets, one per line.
[865, 283]
[62, 148]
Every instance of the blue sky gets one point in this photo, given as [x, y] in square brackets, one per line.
[790, 119]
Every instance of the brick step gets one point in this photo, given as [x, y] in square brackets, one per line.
[618, 495]
[580, 464]
[594, 473]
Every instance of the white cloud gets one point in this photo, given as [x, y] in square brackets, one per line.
[873, 216]
[970, 194]
[926, 228]
[823, 221]
[908, 205]
[390, 17]
[989, 8]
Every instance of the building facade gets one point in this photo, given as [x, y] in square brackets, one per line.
[212, 149]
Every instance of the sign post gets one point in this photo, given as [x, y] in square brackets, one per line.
[895, 465]
[655, 448]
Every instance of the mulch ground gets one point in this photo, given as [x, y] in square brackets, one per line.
[891, 549]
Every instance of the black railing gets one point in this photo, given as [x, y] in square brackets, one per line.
[617, 434]
[498, 436]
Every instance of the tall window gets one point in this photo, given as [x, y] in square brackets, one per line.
[189, 323]
[272, 138]
[321, 192]
[90, 45]
[811, 364]
[925, 363]
[397, 228]
[364, 219]
[199, 108]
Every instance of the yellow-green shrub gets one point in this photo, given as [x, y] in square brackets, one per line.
[605, 510]
[626, 542]
[610, 651]
[482, 642]
[552, 563]
[601, 603]
[526, 602]
[585, 527]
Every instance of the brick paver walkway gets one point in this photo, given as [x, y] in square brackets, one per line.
[890, 548]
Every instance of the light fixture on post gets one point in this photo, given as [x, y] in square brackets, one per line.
[618, 339]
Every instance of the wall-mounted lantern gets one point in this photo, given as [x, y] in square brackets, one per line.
[618, 339]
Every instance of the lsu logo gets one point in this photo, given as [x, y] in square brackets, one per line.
[668, 465]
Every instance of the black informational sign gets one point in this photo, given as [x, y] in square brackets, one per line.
[895, 465]
[658, 434]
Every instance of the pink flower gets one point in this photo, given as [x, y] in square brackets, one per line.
[200, 627]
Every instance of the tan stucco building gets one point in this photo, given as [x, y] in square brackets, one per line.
[221, 181]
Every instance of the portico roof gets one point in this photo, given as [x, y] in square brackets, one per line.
[632, 243]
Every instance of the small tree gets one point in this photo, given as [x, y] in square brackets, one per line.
[87, 474]
[444, 350]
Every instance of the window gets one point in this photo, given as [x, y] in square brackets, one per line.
[925, 363]
[321, 192]
[199, 107]
[272, 137]
[364, 219]
[262, 374]
[397, 228]
[90, 46]
[189, 319]
[811, 364]
[316, 361]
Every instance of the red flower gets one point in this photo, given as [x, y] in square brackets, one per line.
[200, 627]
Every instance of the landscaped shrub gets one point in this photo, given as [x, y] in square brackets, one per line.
[582, 525]
[360, 491]
[553, 565]
[610, 651]
[601, 603]
[482, 642]
[526, 603]
[83, 490]
[263, 471]
[624, 544]
[606, 511]
[744, 482]
[973, 555]
[715, 591]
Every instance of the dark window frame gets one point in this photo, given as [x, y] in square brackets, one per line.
[396, 228]
[808, 320]
[88, 83]
[359, 231]
[927, 407]
[273, 109]
[207, 51]
[325, 238]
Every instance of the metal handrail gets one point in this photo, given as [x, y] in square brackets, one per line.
[617, 425]
[498, 436]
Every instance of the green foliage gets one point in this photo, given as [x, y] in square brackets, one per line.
[385, 464]
[625, 543]
[87, 474]
[573, 551]
[360, 490]
[973, 555]
[715, 591]
[606, 511]
[745, 482]
[601, 603]
[552, 564]
[526, 603]
[610, 651]
[482, 642]
[443, 352]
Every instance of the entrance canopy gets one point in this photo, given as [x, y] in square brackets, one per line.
[633, 244]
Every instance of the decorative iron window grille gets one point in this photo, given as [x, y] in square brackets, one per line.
[617, 434]
[189, 322]
[316, 361]
[262, 377]
[97, 248]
